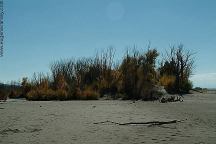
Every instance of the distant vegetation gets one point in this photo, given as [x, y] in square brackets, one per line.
[201, 90]
[135, 77]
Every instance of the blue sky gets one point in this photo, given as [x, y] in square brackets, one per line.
[40, 31]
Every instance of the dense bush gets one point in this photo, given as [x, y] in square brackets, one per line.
[139, 74]
[135, 77]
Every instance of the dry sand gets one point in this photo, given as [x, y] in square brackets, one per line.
[72, 122]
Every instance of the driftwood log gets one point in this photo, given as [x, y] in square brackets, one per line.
[151, 123]
[171, 99]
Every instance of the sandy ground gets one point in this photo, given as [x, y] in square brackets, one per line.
[72, 122]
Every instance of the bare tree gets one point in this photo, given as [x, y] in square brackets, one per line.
[179, 63]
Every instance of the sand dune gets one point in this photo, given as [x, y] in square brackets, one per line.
[72, 122]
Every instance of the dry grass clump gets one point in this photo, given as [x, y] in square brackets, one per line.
[40, 88]
[168, 81]
[89, 94]
[46, 94]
